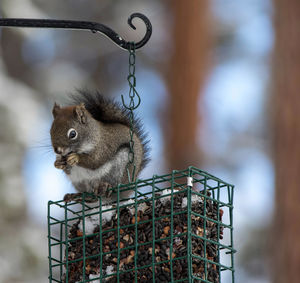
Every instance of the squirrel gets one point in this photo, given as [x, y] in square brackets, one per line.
[91, 139]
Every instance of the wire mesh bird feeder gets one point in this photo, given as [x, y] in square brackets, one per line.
[175, 228]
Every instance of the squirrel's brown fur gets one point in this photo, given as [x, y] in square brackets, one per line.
[91, 139]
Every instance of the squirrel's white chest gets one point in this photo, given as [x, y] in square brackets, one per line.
[114, 168]
[79, 174]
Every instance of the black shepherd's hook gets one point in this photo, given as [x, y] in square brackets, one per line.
[83, 25]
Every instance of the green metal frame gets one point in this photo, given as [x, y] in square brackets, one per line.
[61, 217]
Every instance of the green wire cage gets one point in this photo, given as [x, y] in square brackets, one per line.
[175, 228]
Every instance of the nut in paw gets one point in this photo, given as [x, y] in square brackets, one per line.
[72, 159]
[60, 164]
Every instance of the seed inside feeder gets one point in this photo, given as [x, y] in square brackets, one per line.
[167, 253]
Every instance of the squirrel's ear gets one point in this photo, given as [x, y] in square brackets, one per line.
[55, 109]
[80, 113]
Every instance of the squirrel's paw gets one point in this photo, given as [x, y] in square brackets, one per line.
[72, 197]
[72, 159]
[77, 197]
[60, 164]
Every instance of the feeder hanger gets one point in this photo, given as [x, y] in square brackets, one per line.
[84, 25]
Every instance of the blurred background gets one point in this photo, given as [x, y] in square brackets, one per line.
[218, 81]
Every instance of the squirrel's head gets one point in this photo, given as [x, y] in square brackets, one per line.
[71, 129]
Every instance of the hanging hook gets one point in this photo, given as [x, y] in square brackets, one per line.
[147, 34]
[84, 25]
[132, 105]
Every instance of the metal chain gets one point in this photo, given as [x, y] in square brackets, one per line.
[133, 104]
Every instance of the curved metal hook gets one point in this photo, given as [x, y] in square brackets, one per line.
[134, 106]
[147, 34]
[84, 25]
[132, 94]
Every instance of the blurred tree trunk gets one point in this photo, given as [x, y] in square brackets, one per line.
[187, 72]
[11, 47]
[286, 246]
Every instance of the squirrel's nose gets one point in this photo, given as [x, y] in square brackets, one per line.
[58, 150]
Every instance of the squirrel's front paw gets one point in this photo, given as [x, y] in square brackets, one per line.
[78, 197]
[60, 164]
[72, 159]
[72, 197]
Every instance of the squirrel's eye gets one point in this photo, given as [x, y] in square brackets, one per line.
[72, 134]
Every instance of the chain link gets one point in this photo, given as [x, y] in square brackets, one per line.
[133, 104]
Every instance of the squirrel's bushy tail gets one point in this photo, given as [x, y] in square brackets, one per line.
[109, 111]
